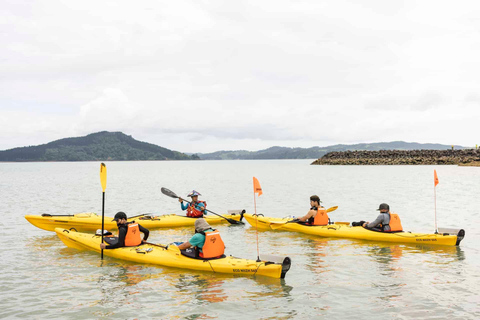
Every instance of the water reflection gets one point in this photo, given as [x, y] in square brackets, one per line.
[200, 287]
[317, 254]
[42, 242]
[277, 287]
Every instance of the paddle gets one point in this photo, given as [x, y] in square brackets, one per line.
[139, 215]
[278, 224]
[172, 194]
[103, 181]
[171, 246]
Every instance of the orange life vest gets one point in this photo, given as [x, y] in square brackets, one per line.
[395, 223]
[321, 218]
[214, 246]
[133, 238]
[192, 211]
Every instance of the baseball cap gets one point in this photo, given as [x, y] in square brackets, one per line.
[383, 206]
[120, 215]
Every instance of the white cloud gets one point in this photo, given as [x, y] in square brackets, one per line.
[202, 76]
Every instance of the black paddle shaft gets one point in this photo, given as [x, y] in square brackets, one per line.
[103, 219]
[172, 194]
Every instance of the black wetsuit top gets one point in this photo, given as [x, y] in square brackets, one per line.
[312, 219]
[122, 233]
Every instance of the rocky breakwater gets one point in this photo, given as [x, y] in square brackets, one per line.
[401, 157]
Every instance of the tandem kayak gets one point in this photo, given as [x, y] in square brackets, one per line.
[448, 237]
[91, 221]
[170, 256]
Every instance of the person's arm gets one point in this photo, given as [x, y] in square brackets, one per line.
[309, 214]
[145, 232]
[122, 232]
[184, 206]
[375, 223]
[201, 207]
[194, 241]
[184, 245]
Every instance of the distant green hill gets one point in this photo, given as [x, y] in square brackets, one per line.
[317, 152]
[98, 146]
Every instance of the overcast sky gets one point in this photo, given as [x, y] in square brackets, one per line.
[202, 76]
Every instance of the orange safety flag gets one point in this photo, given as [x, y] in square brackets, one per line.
[435, 177]
[256, 187]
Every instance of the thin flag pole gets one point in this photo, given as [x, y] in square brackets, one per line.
[256, 224]
[256, 189]
[435, 197]
[435, 182]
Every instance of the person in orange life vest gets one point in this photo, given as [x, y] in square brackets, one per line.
[317, 215]
[206, 240]
[128, 233]
[383, 223]
[195, 208]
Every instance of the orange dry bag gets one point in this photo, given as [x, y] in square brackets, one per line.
[133, 237]
[395, 223]
[321, 218]
[214, 246]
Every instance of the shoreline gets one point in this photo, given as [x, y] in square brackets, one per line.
[463, 157]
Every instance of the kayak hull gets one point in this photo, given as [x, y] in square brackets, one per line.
[170, 256]
[90, 222]
[349, 232]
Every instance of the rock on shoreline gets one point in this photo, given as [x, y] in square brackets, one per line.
[401, 157]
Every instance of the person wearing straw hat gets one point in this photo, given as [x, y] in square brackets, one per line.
[195, 209]
[205, 243]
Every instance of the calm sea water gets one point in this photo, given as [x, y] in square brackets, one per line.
[331, 278]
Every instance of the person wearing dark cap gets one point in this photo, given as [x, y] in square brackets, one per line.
[317, 215]
[128, 233]
[382, 223]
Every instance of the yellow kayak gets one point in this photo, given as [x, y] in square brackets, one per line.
[91, 221]
[170, 256]
[450, 237]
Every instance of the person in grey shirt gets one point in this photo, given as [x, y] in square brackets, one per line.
[383, 220]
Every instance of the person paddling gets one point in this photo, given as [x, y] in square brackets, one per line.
[206, 243]
[317, 215]
[195, 209]
[128, 233]
[386, 221]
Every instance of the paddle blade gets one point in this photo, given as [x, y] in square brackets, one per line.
[169, 193]
[332, 209]
[103, 176]
[275, 226]
[235, 221]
